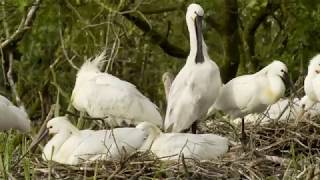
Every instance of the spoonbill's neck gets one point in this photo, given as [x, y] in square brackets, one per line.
[55, 144]
[193, 41]
[277, 86]
[153, 134]
[312, 73]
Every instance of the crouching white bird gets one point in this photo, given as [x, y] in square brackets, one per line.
[13, 117]
[197, 85]
[253, 93]
[312, 80]
[72, 146]
[101, 95]
[170, 146]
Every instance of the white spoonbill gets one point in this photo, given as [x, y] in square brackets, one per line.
[72, 146]
[197, 85]
[13, 117]
[253, 93]
[101, 94]
[169, 146]
[312, 81]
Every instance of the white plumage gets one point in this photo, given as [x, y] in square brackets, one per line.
[283, 110]
[170, 146]
[72, 146]
[310, 107]
[101, 94]
[12, 116]
[312, 81]
[252, 93]
[196, 86]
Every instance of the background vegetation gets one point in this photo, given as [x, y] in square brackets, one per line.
[144, 39]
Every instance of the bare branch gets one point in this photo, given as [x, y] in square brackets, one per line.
[25, 25]
[158, 10]
[156, 37]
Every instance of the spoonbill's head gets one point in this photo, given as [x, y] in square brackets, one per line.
[194, 18]
[278, 68]
[149, 128]
[194, 11]
[54, 126]
[314, 65]
[59, 124]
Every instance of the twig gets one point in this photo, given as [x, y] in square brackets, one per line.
[185, 167]
[25, 25]
[65, 52]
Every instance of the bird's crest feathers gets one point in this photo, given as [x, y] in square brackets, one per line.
[93, 64]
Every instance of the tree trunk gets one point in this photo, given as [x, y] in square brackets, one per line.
[231, 41]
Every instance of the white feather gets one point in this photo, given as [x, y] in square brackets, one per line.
[196, 86]
[101, 94]
[252, 93]
[13, 117]
[170, 146]
[72, 146]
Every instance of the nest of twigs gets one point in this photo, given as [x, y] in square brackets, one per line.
[285, 150]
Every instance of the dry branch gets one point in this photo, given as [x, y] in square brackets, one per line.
[25, 25]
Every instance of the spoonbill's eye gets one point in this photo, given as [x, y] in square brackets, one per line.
[282, 70]
[50, 127]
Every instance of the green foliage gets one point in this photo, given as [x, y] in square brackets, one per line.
[79, 29]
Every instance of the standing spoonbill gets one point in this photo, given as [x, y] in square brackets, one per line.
[312, 81]
[253, 93]
[101, 95]
[72, 146]
[197, 85]
[169, 146]
[13, 117]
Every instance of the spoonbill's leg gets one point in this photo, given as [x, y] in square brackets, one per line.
[243, 138]
[194, 128]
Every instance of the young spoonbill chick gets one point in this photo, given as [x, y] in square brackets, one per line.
[172, 145]
[72, 146]
[253, 93]
[197, 84]
[101, 95]
[13, 117]
[312, 81]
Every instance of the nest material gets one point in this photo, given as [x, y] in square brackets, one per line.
[278, 150]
